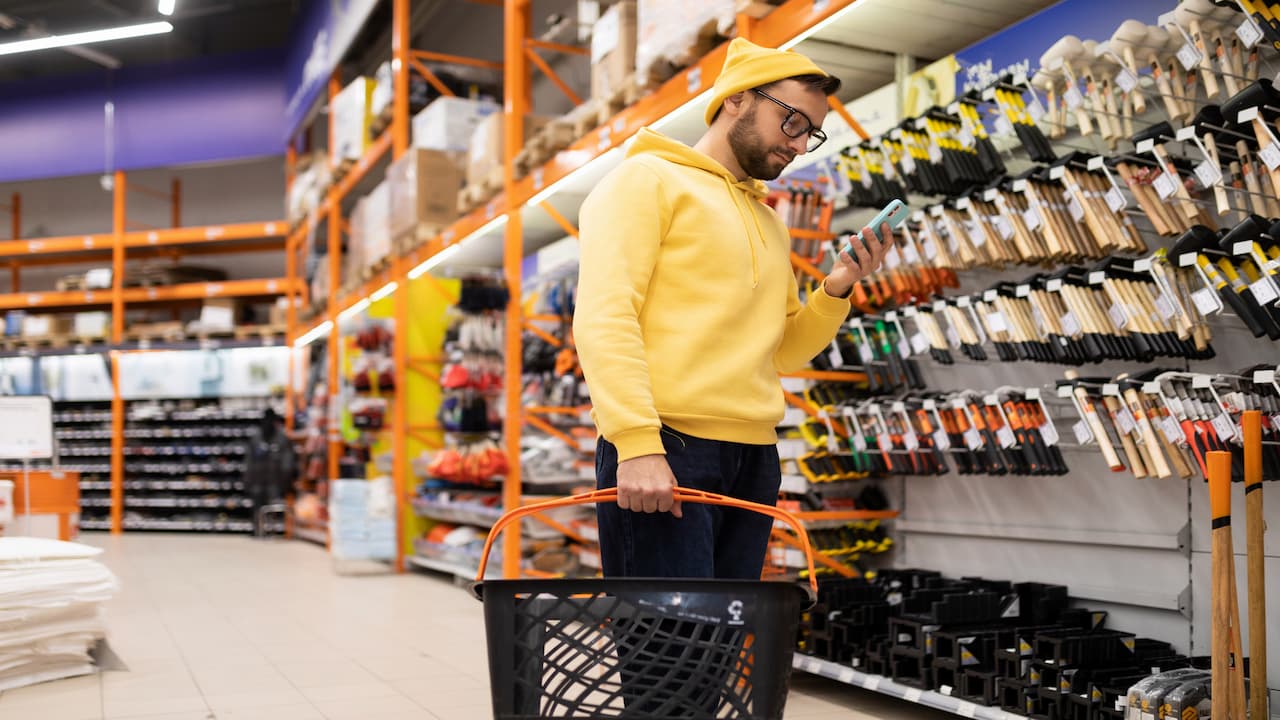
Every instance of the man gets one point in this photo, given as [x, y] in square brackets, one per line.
[687, 311]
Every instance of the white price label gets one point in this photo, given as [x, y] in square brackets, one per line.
[864, 352]
[967, 710]
[995, 321]
[845, 675]
[1205, 301]
[976, 236]
[1264, 291]
[1035, 108]
[884, 442]
[1031, 217]
[910, 254]
[1070, 325]
[919, 344]
[930, 249]
[953, 337]
[1165, 185]
[1210, 174]
[908, 163]
[1076, 210]
[1119, 315]
[1189, 56]
[1172, 432]
[935, 154]
[1003, 126]
[859, 440]
[1073, 98]
[965, 136]
[1006, 437]
[1125, 421]
[1004, 227]
[1127, 80]
[892, 260]
[904, 349]
[941, 440]
[1049, 432]
[972, 439]
[1115, 200]
[1165, 306]
[910, 441]
[1082, 432]
[872, 682]
[1038, 318]
[913, 695]
[1223, 426]
[835, 356]
[1270, 156]
[1249, 33]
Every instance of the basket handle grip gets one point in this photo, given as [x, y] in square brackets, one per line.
[682, 494]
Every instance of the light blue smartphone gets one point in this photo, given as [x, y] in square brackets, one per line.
[893, 213]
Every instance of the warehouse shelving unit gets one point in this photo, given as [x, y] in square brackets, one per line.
[117, 247]
[522, 218]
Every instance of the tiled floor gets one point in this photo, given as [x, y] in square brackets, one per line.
[229, 628]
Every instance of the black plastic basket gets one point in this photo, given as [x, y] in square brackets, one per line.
[640, 647]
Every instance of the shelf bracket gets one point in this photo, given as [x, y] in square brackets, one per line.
[552, 75]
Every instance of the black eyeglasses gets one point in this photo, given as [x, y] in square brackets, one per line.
[796, 123]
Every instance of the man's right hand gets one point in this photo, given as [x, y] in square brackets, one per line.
[646, 484]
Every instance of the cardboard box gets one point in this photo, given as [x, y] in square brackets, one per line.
[448, 123]
[487, 143]
[279, 313]
[669, 28]
[613, 49]
[352, 114]
[377, 225]
[218, 314]
[424, 188]
[46, 325]
[92, 324]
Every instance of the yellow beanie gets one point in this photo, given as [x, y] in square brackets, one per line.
[748, 65]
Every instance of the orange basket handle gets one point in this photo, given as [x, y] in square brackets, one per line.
[682, 494]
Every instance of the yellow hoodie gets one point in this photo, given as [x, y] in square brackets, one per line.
[687, 303]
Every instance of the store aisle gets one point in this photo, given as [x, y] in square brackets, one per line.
[229, 628]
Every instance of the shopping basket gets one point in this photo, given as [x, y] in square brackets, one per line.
[641, 648]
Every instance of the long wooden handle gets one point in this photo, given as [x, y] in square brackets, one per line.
[1219, 471]
[1099, 432]
[1255, 529]
[1221, 202]
[1148, 433]
[1136, 465]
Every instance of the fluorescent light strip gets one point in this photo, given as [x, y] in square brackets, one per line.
[821, 26]
[424, 267]
[84, 38]
[315, 333]
[383, 291]
[166, 6]
[556, 186]
[699, 102]
[354, 310]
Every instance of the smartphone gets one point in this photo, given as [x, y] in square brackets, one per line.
[893, 213]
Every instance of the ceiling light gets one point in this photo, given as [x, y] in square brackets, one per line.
[433, 261]
[314, 334]
[84, 38]
[819, 27]
[166, 6]
[354, 310]
[383, 291]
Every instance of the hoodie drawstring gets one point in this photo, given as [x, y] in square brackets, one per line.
[759, 234]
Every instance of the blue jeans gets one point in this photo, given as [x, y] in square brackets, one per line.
[709, 541]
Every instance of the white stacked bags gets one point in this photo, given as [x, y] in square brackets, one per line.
[51, 596]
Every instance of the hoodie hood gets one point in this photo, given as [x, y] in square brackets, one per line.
[744, 193]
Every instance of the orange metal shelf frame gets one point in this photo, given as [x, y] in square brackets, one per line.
[187, 291]
[784, 23]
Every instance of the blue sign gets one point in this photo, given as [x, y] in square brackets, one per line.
[319, 40]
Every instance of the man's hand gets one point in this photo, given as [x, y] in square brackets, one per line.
[645, 484]
[849, 270]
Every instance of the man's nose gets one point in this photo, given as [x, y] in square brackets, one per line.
[799, 145]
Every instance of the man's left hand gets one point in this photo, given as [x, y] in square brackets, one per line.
[849, 270]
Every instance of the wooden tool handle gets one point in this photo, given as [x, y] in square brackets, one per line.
[1255, 529]
[1095, 424]
[1139, 102]
[1221, 203]
[1148, 433]
[1136, 465]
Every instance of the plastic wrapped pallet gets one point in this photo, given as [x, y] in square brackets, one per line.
[447, 123]
[362, 520]
[424, 187]
[484, 158]
[613, 49]
[667, 29]
[377, 225]
[352, 115]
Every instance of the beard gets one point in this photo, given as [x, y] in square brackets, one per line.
[755, 159]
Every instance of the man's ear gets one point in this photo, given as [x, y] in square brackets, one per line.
[734, 104]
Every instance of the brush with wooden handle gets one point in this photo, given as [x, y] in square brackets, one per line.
[1255, 528]
[1227, 690]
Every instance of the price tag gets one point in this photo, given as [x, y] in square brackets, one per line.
[1249, 33]
[1264, 291]
[1006, 437]
[845, 675]
[965, 137]
[1035, 108]
[967, 709]
[1165, 186]
[910, 254]
[1115, 200]
[1003, 226]
[904, 349]
[910, 441]
[1189, 56]
[1038, 318]
[935, 154]
[864, 352]
[972, 439]
[1172, 432]
[1073, 98]
[884, 442]
[1049, 432]
[1165, 306]
[919, 344]
[1082, 432]
[908, 163]
[1127, 80]
[1119, 315]
[1031, 217]
[1021, 291]
[995, 321]
[930, 249]
[892, 260]
[1270, 155]
[976, 236]
[872, 682]
[859, 440]
[1223, 426]
[913, 695]
[1204, 300]
[1070, 325]
[1003, 126]
[1210, 174]
[953, 337]
[941, 440]
[1074, 207]
[835, 356]
[1125, 421]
